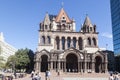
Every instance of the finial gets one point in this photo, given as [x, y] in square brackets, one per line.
[86, 14]
[46, 12]
[62, 4]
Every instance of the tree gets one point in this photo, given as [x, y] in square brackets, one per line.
[24, 58]
[11, 61]
[1, 62]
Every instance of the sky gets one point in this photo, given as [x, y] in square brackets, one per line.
[20, 19]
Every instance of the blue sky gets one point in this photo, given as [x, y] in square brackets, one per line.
[19, 19]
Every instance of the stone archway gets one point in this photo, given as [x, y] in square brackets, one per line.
[72, 63]
[98, 64]
[44, 63]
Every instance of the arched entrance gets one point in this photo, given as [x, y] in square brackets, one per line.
[98, 64]
[72, 63]
[44, 63]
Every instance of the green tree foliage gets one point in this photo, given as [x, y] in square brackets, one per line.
[11, 61]
[24, 59]
[1, 62]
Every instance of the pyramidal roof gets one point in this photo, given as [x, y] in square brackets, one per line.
[46, 19]
[87, 21]
[61, 14]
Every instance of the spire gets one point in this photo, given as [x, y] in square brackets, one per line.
[47, 19]
[87, 21]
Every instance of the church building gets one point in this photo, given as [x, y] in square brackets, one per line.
[61, 48]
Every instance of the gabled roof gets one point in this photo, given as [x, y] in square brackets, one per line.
[61, 13]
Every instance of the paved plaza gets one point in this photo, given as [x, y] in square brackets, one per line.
[85, 78]
[78, 78]
[71, 77]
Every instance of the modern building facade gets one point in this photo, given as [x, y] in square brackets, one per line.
[115, 15]
[6, 49]
[61, 48]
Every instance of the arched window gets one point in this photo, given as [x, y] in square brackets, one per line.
[87, 29]
[49, 40]
[89, 41]
[46, 26]
[80, 43]
[43, 39]
[58, 43]
[94, 41]
[90, 28]
[74, 42]
[63, 43]
[41, 26]
[68, 42]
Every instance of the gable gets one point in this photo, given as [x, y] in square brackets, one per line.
[62, 14]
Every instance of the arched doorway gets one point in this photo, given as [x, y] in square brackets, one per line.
[72, 63]
[98, 64]
[44, 63]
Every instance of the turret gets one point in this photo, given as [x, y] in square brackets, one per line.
[87, 26]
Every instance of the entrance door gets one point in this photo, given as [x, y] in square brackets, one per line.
[44, 63]
[98, 64]
[72, 63]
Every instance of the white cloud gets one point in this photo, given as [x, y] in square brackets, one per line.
[107, 35]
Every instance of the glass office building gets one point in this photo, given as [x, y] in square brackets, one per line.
[115, 15]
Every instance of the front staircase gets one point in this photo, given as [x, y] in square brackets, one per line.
[55, 76]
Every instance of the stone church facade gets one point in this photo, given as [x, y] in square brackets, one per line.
[61, 48]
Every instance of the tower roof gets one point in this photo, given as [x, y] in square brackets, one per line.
[61, 14]
[46, 19]
[87, 22]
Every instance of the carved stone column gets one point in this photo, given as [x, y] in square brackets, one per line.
[46, 40]
[66, 44]
[64, 66]
[71, 43]
[51, 65]
[58, 65]
[60, 44]
[77, 46]
[37, 66]
[85, 61]
[55, 46]
[93, 66]
[106, 62]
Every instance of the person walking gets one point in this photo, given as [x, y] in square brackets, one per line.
[32, 74]
[46, 75]
[111, 77]
[49, 75]
[116, 77]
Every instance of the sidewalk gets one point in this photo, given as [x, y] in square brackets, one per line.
[24, 78]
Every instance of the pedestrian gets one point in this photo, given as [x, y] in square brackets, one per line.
[36, 77]
[111, 77]
[58, 72]
[46, 75]
[32, 74]
[116, 77]
[15, 74]
[49, 75]
[39, 76]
